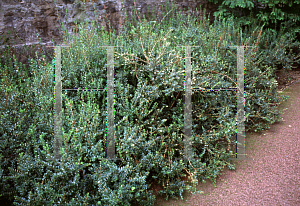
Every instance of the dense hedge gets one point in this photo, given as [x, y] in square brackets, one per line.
[149, 112]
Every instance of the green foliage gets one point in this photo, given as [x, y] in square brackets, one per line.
[274, 14]
[149, 112]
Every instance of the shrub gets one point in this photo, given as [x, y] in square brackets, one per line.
[149, 108]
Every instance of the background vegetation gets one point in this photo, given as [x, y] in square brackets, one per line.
[275, 14]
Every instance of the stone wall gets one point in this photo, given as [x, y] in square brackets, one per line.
[24, 19]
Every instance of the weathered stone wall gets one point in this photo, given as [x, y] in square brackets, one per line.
[24, 19]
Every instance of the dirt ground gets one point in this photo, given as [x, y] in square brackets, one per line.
[286, 80]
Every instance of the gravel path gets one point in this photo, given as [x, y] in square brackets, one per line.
[272, 178]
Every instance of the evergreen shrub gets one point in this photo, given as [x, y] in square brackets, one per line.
[149, 112]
